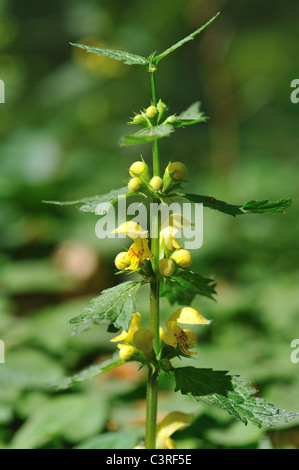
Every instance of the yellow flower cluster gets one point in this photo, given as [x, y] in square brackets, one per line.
[179, 257]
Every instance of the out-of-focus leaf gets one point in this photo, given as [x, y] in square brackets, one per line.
[58, 417]
[88, 373]
[27, 369]
[266, 206]
[147, 135]
[183, 286]
[113, 440]
[125, 57]
[115, 305]
[229, 393]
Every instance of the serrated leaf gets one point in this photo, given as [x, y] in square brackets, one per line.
[93, 204]
[266, 206]
[88, 373]
[123, 56]
[115, 305]
[257, 207]
[183, 286]
[180, 43]
[191, 115]
[229, 393]
[147, 135]
[210, 202]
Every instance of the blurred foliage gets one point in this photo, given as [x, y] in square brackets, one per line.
[65, 111]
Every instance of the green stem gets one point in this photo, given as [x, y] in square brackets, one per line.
[152, 384]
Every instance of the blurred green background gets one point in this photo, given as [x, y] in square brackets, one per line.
[65, 111]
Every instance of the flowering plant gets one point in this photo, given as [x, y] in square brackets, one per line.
[161, 262]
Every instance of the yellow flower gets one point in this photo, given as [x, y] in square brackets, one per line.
[170, 228]
[137, 338]
[125, 336]
[176, 335]
[175, 421]
[189, 316]
[139, 250]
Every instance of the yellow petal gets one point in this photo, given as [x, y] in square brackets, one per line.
[132, 230]
[173, 422]
[189, 316]
[191, 338]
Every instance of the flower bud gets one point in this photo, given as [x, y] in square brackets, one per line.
[166, 365]
[166, 267]
[156, 183]
[126, 352]
[183, 258]
[177, 170]
[122, 260]
[134, 184]
[139, 168]
[151, 111]
[138, 120]
[143, 340]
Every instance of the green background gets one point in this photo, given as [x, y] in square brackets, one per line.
[64, 114]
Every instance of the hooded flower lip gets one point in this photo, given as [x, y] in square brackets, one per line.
[174, 421]
[139, 250]
[169, 229]
[189, 316]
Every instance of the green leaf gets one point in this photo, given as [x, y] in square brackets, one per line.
[258, 207]
[229, 393]
[183, 286]
[93, 204]
[125, 57]
[147, 135]
[266, 206]
[115, 305]
[113, 440]
[191, 36]
[88, 373]
[190, 116]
